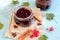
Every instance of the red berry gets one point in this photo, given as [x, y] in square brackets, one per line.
[35, 33]
[47, 29]
[31, 36]
[51, 29]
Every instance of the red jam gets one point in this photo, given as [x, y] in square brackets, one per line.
[43, 4]
[23, 13]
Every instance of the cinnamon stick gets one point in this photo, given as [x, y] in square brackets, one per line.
[24, 35]
[37, 19]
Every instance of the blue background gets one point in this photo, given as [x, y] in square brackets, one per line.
[6, 6]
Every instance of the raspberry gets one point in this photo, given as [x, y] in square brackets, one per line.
[31, 36]
[51, 29]
[35, 33]
[47, 29]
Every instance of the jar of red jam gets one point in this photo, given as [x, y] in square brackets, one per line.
[43, 4]
[23, 16]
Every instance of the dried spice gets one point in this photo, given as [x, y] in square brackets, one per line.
[25, 34]
[35, 17]
[14, 34]
[39, 24]
[15, 26]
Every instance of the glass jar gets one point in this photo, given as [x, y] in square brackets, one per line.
[43, 4]
[23, 16]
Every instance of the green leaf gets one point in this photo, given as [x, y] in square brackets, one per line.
[25, 4]
[50, 16]
[1, 25]
[15, 2]
[43, 37]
